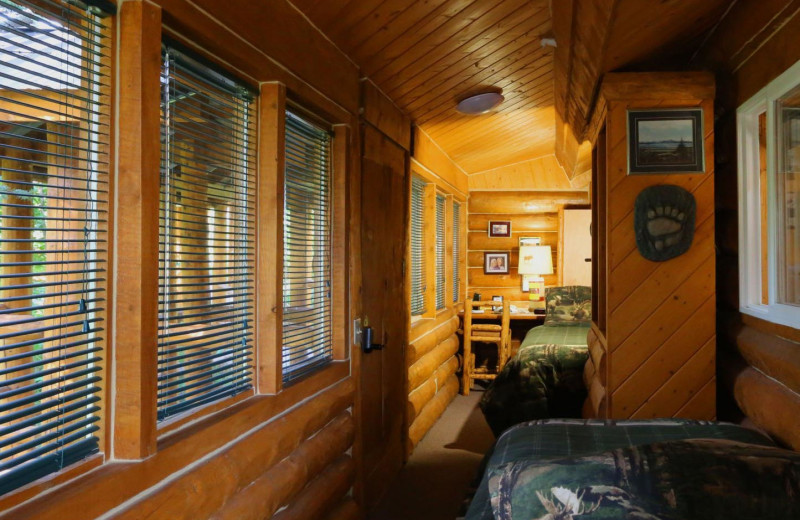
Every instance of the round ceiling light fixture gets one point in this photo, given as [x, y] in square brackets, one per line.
[480, 103]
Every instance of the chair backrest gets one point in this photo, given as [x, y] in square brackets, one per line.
[471, 330]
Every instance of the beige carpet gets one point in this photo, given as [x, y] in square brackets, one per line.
[433, 483]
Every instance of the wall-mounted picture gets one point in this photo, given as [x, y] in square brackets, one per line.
[665, 141]
[495, 263]
[499, 228]
[529, 241]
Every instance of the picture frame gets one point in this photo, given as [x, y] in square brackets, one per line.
[496, 308]
[529, 241]
[665, 141]
[499, 228]
[495, 262]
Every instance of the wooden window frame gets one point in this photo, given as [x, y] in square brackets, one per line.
[269, 240]
[752, 257]
[433, 188]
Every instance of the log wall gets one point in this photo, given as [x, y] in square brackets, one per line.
[532, 214]
[254, 456]
[759, 361]
[432, 366]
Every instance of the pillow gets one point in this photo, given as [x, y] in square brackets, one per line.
[686, 480]
[568, 305]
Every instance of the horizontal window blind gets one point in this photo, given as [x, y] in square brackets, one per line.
[456, 250]
[54, 140]
[206, 236]
[307, 338]
[440, 251]
[417, 247]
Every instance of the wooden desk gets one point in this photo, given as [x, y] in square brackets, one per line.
[519, 315]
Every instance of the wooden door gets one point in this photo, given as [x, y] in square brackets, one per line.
[577, 257]
[384, 195]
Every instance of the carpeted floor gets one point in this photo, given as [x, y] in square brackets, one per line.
[434, 482]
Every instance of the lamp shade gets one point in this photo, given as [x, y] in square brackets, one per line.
[535, 260]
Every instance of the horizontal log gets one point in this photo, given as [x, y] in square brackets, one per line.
[771, 405]
[204, 489]
[420, 371]
[597, 396]
[588, 373]
[347, 510]
[420, 396]
[481, 241]
[519, 223]
[659, 86]
[598, 355]
[776, 357]
[285, 480]
[424, 344]
[423, 326]
[431, 413]
[477, 278]
[524, 202]
[323, 493]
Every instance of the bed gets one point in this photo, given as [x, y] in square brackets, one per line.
[548, 466]
[545, 377]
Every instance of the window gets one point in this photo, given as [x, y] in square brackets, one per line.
[206, 236]
[769, 188]
[307, 334]
[417, 247]
[456, 250]
[440, 251]
[54, 141]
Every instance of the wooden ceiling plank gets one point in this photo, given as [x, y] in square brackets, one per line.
[537, 80]
[373, 42]
[486, 31]
[458, 64]
[395, 48]
[351, 19]
[469, 71]
[323, 14]
[387, 14]
[453, 30]
[441, 104]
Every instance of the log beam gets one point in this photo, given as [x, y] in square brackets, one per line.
[431, 413]
[420, 371]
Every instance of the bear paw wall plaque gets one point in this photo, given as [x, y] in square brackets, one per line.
[664, 218]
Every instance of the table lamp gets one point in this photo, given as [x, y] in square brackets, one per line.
[534, 261]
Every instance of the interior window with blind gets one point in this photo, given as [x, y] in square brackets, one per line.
[206, 235]
[307, 336]
[54, 141]
[417, 247]
[456, 250]
[440, 251]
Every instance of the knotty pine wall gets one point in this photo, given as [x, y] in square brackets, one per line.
[759, 362]
[291, 454]
[532, 214]
[433, 344]
[655, 320]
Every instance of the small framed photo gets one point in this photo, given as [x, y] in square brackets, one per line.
[665, 141]
[496, 308]
[499, 228]
[529, 241]
[495, 263]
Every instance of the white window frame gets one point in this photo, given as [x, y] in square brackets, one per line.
[749, 186]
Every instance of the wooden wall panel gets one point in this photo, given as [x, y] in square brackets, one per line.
[433, 161]
[543, 173]
[485, 206]
[660, 336]
[383, 114]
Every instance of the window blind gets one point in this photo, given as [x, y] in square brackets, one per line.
[54, 128]
[417, 247]
[307, 338]
[456, 249]
[440, 251]
[206, 236]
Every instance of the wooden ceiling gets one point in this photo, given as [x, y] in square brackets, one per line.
[426, 55]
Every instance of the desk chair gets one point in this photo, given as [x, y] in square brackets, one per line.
[498, 335]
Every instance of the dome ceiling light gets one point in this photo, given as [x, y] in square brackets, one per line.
[480, 103]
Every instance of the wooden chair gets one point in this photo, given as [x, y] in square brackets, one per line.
[499, 335]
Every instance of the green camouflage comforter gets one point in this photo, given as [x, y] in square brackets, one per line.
[544, 379]
[677, 480]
